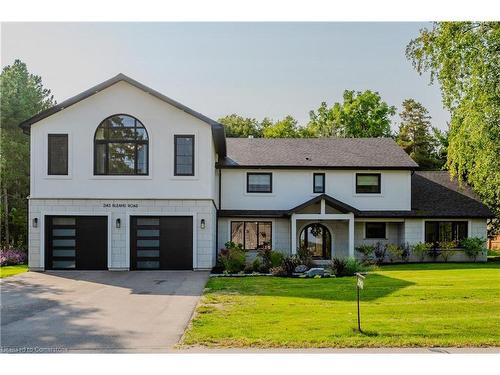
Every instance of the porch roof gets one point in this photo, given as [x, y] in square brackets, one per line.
[330, 201]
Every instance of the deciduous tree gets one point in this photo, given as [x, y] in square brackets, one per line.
[464, 57]
[361, 114]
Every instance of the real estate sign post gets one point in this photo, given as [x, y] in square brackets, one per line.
[359, 285]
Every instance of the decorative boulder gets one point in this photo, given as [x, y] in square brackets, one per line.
[300, 268]
[315, 272]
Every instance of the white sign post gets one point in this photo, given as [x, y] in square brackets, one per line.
[360, 283]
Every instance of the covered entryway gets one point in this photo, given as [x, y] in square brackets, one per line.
[76, 242]
[318, 240]
[322, 224]
[161, 243]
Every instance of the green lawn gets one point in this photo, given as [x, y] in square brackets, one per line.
[402, 305]
[6, 271]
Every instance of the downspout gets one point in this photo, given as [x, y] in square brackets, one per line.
[217, 218]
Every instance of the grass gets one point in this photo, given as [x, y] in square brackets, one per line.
[6, 271]
[401, 306]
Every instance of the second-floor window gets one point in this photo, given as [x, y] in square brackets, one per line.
[184, 155]
[367, 183]
[319, 183]
[57, 155]
[259, 182]
[121, 147]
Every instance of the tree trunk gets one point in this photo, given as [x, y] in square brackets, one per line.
[6, 218]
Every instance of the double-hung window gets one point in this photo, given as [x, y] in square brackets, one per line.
[259, 182]
[57, 155]
[319, 183]
[184, 155]
[368, 183]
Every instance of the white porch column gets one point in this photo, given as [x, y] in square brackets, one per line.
[351, 235]
[293, 233]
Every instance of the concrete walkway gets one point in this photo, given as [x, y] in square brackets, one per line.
[100, 311]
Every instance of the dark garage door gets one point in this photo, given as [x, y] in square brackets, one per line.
[76, 242]
[161, 242]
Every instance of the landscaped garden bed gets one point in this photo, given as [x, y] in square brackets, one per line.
[446, 304]
[12, 261]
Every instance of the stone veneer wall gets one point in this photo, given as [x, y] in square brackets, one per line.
[120, 254]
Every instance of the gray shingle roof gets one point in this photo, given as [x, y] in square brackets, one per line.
[380, 153]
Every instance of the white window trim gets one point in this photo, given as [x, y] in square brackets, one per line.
[374, 239]
[92, 176]
[263, 194]
[171, 170]
[46, 174]
[469, 225]
[373, 195]
[273, 228]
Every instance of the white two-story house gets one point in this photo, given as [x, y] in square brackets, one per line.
[125, 178]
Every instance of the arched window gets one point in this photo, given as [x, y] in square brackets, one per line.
[316, 237]
[121, 147]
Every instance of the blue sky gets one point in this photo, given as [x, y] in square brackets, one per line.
[252, 69]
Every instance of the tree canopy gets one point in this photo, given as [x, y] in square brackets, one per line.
[464, 57]
[241, 127]
[23, 96]
[415, 135]
[362, 114]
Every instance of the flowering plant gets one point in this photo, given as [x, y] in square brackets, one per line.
[10, 256]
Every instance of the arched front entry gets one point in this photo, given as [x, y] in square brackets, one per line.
[317, 238]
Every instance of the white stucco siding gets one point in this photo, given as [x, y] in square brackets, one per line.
[118, 238]
[392, 231]
[294, 187]
[162, 122]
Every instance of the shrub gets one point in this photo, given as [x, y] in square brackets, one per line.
[379, 252]
[366, 250]
[276, 258]
[256, 265]
[434, 252]
[233, 245]
[232, 260]
[11, 257]
[473, 246]
[447, 249]
[278, 271]
[289, 263]
[395, 252]
[305, 256]
[420, 249]
[268, 259]
[346, 266]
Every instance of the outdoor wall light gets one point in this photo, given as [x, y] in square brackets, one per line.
[202, 224]
[118, 223]
[35, 222]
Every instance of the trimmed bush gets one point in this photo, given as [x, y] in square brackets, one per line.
[366, 250]
[233, 258]
[346, 266]
[420, 249]
[474, 246]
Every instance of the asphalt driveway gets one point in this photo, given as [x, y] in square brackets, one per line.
[61, 311]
